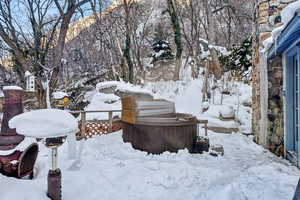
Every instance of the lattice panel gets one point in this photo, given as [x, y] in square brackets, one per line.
[99, 128]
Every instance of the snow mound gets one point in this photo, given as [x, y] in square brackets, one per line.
[13, 87]
[44, 123]
[227, 112]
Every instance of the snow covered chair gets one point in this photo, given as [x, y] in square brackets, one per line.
[19, 164]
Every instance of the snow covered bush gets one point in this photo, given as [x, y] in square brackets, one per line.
[239, 58]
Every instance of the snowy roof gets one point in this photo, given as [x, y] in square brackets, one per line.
[45, 123]
[12, 88]
[59, 95]
[27, 73]
[283, 36]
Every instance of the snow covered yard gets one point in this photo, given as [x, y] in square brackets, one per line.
[110, 169]
[107, 168]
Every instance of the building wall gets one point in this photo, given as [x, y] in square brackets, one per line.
[267, 18]
[275, 136]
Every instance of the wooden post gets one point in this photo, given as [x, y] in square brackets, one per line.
[110, 120]
[83, 122]
[205, 128]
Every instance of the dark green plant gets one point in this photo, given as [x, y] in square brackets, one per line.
[239, 59]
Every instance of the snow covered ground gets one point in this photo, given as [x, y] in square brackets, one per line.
[106, 168]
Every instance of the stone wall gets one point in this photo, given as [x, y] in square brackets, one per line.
[267, 18]
[275, 137]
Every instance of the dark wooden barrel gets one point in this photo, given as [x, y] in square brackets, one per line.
[158, 134]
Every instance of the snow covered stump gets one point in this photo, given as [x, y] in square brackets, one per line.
[53, 125]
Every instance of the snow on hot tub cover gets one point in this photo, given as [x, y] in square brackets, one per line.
[45, 123]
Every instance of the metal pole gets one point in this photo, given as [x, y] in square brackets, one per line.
[54, 158]
[83, 121]
[110, 121]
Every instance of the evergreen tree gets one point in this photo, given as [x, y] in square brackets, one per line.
[239, 59]
[161, 47]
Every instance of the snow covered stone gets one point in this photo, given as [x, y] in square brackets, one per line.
[216, 150]
[45, 123]
[205, 106]
[227, 112]
[246, 100]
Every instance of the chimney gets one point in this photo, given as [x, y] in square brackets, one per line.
[13, 106]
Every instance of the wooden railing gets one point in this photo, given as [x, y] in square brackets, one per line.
[84, 121]
[205, 122]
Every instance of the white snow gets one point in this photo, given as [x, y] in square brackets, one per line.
[105, 167]
[1, 93]
[45, 123]
[288, 12]
[59, 95]
[110, 169]
[27, 73]
[12, 88]
[227, 112]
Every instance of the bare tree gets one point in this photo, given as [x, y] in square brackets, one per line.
[38, 40]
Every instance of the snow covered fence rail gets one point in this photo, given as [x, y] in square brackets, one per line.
[89, 128]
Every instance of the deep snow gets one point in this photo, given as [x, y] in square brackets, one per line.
[106, 168]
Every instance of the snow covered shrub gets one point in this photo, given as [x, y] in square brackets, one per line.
[161, 47]
[239, 58]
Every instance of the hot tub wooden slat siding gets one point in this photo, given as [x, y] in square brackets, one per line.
[156, 140]
[162, 135]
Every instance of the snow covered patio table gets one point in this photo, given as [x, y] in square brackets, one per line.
[53, 125]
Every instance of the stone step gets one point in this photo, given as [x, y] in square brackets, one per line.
[222, 129]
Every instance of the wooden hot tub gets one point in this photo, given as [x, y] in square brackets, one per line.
[157, 134]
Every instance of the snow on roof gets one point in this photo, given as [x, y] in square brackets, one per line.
[122, 86]
[27, 73]
[12, 88]
[287, 14]
[59, 95]
[45, 123]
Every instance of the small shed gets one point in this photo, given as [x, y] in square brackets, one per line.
[61, 99]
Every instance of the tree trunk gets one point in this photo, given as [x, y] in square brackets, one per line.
[41, 97]
[177, 36]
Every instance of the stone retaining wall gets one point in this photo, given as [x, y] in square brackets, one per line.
[267, 18]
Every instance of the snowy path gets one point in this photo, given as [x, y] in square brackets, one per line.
[111, 170]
